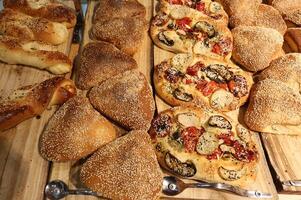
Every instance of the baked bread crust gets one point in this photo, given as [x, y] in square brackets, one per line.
[125, 169]
[255, 47]
[19, 25]
[29, 101]
[125, 33]
[49, 9]
[290, 10]
[185, 32]
[204, 9]
[292, 40]
[126, 99]
[100, 61]
[199, 143]
[263, 16]
[33, 53]
[75, 131]
[274, 108]
[204, 81]
[108, 9]
[233, 7]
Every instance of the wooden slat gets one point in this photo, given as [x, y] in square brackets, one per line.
[23, 172]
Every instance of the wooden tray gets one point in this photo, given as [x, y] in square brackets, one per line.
[23, 172]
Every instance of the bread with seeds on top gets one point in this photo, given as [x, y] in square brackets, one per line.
[125, 169]
[290, 10]
[255, 47]
[126, 99]
[75, 131]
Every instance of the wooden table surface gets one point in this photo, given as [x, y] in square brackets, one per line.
[23, 173]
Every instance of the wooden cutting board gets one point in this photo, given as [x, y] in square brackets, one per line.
[23, 172]
[147, 56]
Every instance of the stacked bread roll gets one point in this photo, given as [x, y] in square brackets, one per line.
[30, 32]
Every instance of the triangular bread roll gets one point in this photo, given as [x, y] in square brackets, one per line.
[125, 169]
[126, 98]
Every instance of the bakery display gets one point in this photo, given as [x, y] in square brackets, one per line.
[185, 32]
[19, 25]
[290, 10]
[292, 40]
[108, 9]
[30, 101]
[125, 169]
[203, 9]
[100, 61]
[125, 33]
[49, 9]
[199, 143]
[33, 53]
[126, 99]
[274, 108]
[255, 47]
[75, 131]
[186, 79]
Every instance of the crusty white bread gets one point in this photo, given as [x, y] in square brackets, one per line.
[75, 131]
[100, 61]
[292, 40]
[126, 98]
[17, 24]
[125, 169]
[29, 101]
[286, 69]
[290, 10]
[262, 15]
[274, 108]
[255, 47]
[49, 9]
[33, 53]
[125, 33]
[108, 9]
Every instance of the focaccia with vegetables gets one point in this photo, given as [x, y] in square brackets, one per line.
[183, 31]
[186, 79]
[199, 143]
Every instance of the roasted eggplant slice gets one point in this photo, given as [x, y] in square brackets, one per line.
[243, 133]
[205, 27]
[220, 122]
[186, 169]
[218, 73]
[238, 86]
[189, 119]
[231, 175]
[180, 95]
[207, 144]
[161, 126]
[165, 40]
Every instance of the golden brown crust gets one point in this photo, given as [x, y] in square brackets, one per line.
[274, 108]
[233, 7]
[100, 61]
[125, 33]
[30, 101]
[125, 169]
[290, 10]
[263, 16]
[292, 40]
[186, 144]
[50, 9]
[75, 131]
[32, 53]
[189, 83]
[255, 47]
[125, 98]
[108, 9]
[17, 24]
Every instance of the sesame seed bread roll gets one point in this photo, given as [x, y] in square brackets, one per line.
[238, 6]
[17, 24]
[100, 61]
[31, 100]
[125, 169]
[49, 9]
[255, 47]
[33, 53]
[292, 40]
[126, 99]
[290, 10]
[274, 108]
[75, 131]
[286, 69]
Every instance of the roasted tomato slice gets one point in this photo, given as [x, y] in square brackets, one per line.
[173, 75]
[161, 126]
[183, 23]
[193, 70]
[200, 6]
[177, 2]
[215, 155]
[190, 136]
[223, 47]
[217, 49]
[238, 86]
[210, 88]
[227, 137]
[243, 154]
